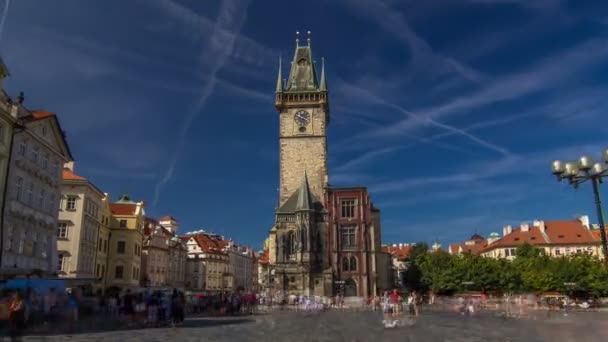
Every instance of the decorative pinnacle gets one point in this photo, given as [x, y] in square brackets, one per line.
[297, 38]
[308, 39]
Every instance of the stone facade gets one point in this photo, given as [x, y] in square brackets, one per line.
[305, 250]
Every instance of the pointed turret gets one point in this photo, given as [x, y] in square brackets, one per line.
[304, 197]
[280, 78]
[323, 86]
[302, 75]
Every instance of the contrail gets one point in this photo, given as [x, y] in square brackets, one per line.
[231, 18]
[7, 3]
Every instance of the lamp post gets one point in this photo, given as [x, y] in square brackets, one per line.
[586, 170]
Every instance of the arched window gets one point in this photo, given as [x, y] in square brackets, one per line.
[345, 265]
[353, 263]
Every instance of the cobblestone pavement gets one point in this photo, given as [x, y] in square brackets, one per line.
[362, 326]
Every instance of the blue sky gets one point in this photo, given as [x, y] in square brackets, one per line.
[450, 111]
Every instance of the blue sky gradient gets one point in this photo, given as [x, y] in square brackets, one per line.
[449, 111]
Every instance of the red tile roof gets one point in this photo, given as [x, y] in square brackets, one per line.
[69, 175]
[210, 244]
[123, 209]
[41, 114]
[398, 252]
[264, 258]
[555, 233]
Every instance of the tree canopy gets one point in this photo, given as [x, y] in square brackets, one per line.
[530, 271]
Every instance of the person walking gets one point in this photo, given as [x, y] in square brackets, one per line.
[16, 317]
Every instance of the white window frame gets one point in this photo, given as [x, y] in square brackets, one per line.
[71, 199]
[62, 230]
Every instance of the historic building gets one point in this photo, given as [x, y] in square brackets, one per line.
[34, 186]
[78, 226]
[325, 239]
[241, 265]
[164, 255]
[555, 238]
[103, 242]
[8, 117]
[208, 264]
[125, 246]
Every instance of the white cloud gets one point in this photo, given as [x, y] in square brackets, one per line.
[423, 55]
[215, 52]
[548, 74]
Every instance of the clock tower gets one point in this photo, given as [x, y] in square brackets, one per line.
[303, 107]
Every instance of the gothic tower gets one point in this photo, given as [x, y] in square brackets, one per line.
[299, 236]
[303, 118]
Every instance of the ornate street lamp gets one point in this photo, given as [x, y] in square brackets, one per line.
[586, 170]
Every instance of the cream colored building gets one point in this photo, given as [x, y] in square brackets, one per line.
[125, 247]
[34, 188]
[178, 256]
[155, 257]
[78, 226]
[241, 265]
[208, 264]
[555, 238]
[164, 255]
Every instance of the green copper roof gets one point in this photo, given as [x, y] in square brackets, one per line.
[302, 75]
[280, 78]
[323, 86]
[124, 199]
[304, 202]
[301, 200]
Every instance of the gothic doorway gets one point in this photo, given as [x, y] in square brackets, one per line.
[350, 288]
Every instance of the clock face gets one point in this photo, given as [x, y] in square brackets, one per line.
[302, 118]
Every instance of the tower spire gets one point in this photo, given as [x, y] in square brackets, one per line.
[323, 86]
[280, 77]
[304, 202]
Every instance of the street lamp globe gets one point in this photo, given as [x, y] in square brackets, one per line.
[597, 169]
[585, 163]
[557, 167]
[570, 169]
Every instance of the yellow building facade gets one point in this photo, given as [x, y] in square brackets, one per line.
[125, 246]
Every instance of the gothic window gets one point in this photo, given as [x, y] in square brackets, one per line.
[353, 263]
[291, 244]
[345, 264]
[348, 208]
[348, 237]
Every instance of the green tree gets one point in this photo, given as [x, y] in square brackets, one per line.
[413, 275]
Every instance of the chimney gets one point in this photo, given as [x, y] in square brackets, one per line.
[541, 226]
[507, 230]
[525, 227]
[584, 220]
[69, 165]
